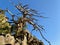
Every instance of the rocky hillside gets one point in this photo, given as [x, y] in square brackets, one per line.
[24, 38]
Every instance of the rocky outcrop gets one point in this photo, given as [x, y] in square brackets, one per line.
[9, 39]
[24, 38]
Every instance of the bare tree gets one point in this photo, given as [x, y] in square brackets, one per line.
[28, 16]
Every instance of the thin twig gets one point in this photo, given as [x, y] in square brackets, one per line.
[44, 37]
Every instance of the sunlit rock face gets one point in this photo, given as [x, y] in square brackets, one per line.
[27, 39]
[17, 43]
[24, 42]
[9, 39]
[24, 38]
[2, 40]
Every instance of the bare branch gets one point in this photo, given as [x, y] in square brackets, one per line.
[44, 37]
[27, 16]
[33, 11]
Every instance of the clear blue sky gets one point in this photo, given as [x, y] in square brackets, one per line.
[51, 9]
